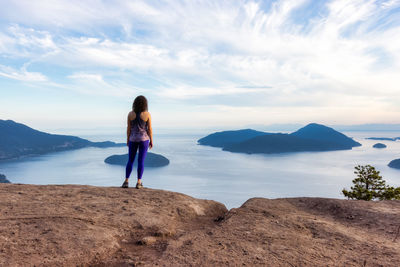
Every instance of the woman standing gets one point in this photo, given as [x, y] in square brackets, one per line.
[139, 136]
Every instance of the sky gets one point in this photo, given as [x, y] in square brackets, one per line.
[201, 64]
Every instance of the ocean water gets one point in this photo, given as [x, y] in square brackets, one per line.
[210, 173]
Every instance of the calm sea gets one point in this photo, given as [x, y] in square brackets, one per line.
[210, 173]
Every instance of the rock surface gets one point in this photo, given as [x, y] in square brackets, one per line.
[73, 225]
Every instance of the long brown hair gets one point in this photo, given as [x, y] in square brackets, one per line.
[139, 104]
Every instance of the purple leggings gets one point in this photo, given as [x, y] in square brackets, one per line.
[133, 147]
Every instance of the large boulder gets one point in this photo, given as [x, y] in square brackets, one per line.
[294, 232]
[74, 225]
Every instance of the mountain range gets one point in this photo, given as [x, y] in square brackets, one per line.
[18, 140]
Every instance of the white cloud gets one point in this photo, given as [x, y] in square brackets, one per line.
[28, 43]
[22, 74]
[87, 77]
[106, 53]
[95, 84]
[186, 92]
[191, 49]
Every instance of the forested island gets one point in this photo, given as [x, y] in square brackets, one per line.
[18, 140]
[395, 164]
[152, 160]
[313, 137]
[227, 138]
[3, 179]
[379, 145]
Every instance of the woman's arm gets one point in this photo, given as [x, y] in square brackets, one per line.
[128, 130]
[150, 131]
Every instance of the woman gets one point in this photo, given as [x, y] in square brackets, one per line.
[139, 136]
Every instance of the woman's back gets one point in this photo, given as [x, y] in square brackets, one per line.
[139, 126]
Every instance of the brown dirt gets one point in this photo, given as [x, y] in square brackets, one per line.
[72, 225]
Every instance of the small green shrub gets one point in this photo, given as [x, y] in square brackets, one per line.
[369, 185]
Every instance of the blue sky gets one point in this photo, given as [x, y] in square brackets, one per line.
[79, 64]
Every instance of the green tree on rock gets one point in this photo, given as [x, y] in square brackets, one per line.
[369, 185]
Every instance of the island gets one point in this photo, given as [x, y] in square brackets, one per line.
[18, 140]
[313, 137]
[225, 138]
[395, 164]
[3, 179]
[152, 160]
[379, 145]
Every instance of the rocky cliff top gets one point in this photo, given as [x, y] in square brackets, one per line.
[108, 226]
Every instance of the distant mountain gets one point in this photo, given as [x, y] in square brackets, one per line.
[313, 137]
[3, 179]
[379, 145]
[384, 138]
[152, 160]
[18, 140]
[395, 164]
[225, 138]
[379, 127]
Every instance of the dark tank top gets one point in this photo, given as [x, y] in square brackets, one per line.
[138, 129]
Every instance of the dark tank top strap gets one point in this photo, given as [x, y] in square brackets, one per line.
[137, 117]
[139, 121]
